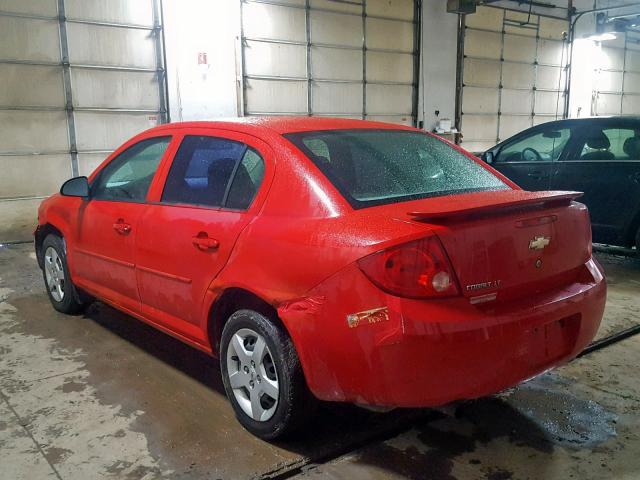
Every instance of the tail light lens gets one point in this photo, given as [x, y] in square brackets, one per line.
[418, 269]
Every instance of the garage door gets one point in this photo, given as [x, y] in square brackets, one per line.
[338, 58]
[617, 85]
[78, 77]
[513, 74]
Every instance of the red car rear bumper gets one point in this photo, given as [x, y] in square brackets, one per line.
[416, 353]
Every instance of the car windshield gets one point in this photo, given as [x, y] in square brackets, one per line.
[374, 167]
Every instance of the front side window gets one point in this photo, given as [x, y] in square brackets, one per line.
[373, 167]
[610, 144]
[213, 172]
[545, 146]
[128, 177]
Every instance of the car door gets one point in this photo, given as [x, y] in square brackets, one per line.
[604, 164]
[104, 247]
[530, 158]
[187, 235]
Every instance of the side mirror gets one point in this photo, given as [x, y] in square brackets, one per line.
[488, 157]
[75, 187]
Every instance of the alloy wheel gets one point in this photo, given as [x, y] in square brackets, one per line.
[252, 374]
[54, 273]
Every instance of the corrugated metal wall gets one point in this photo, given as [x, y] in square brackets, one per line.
[513, 74]
[352, 58]
[78, 77]
[617, 84]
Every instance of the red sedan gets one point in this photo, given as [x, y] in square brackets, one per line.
[338, 259]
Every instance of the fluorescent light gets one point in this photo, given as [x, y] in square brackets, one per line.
[600, 37]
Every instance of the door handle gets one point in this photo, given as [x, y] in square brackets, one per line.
[537, 175]
[635, 177]
[121, 227]
[203, 242]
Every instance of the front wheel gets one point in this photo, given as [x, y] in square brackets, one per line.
[262, 376]
[62, 293]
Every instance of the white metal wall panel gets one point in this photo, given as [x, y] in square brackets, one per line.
[401, 9]
[276, 96]
[106, 131]
[617, 74]
[322, 57]
[261, 20]
[512, 75]
[339, 98]
[382, 99]
[87, 162]
[37, 132]
[632, 82]
[481, 73]
[335, 29]
[78, 78]
[100, 45]
[29, 39]
[550, 77]
[516, 101]
[47, 8]
[115, 89]
[389, 67]
[512, 124]
[282, 60]
[134, 12]
[31, 85]
[480, 100]
[518, 75]
[481, 44]
[631, 105]
[19, 181]
[337, 64]
[346, 7]
[519, 48]
[388, 34]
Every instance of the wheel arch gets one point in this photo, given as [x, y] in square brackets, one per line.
[231, 300]
[41, 233]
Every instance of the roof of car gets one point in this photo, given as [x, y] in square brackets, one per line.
[597, 119]
[283, 124]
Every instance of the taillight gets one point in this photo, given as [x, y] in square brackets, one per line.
[417, 269]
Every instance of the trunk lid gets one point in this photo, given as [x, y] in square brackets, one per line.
[509, 243]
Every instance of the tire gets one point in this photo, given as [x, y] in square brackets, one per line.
[273, 417]
[57, 281]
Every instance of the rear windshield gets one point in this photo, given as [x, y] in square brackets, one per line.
[374, 167]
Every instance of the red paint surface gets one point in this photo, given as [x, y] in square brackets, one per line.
[297, 248]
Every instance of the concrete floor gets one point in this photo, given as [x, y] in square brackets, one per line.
[104, 396]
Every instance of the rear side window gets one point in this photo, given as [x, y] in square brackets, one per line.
[373, 167]
[211, 171]
[610, 144]
[128, 177]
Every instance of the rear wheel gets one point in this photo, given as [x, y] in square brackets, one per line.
[262, 376]
[62, 293]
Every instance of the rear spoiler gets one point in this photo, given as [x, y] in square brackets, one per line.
[494, 202]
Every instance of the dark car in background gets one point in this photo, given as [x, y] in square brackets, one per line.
[598, 156]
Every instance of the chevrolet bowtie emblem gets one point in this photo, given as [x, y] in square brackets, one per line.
[538, 243]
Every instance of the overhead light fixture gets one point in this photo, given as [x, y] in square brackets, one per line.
[601, 37]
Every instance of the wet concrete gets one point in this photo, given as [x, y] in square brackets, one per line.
[623, 302]
[579, 422]
[104, 396]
